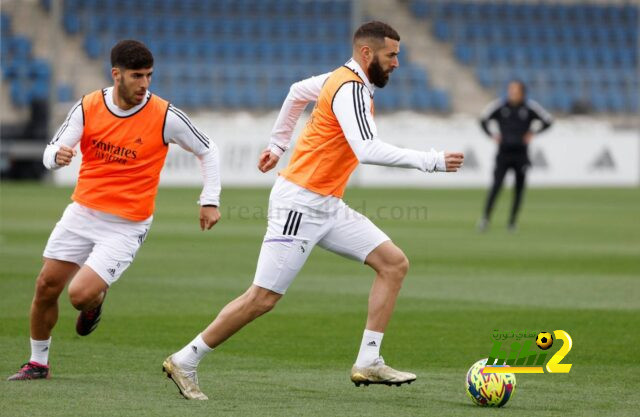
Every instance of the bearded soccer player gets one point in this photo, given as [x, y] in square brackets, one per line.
[124, 132]
[306, 207]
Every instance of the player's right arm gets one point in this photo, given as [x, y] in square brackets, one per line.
[300, 95]
[352, 107]
[59, 152]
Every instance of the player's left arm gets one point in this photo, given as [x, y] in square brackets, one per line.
[300, 95]
[538, 113]
[181, 131]
[352, 107]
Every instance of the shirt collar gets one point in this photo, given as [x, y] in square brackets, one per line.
[355, 67]
[108, 99]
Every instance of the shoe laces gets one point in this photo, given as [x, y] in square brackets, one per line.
[26, 366]
[29, 366]
[192, 375]
[379, 361]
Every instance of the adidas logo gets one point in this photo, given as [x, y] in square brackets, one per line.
[45, 349]
[111, 271]
[194, 348]
[138, 141]
[372, 343]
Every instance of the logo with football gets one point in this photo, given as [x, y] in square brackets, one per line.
[544, 340]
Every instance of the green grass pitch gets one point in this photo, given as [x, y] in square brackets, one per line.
[574, 265]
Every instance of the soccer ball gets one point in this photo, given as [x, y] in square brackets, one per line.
[489, 390]
[544, 340]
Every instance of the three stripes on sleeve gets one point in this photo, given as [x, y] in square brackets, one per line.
[196, 133]
[360, 109]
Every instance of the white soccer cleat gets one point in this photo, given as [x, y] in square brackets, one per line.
[379, 373]
[482, 225]
[187, 382]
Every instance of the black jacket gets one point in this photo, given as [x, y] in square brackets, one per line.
[514, 122]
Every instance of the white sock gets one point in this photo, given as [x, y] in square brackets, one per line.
[40, 351]
[189, 356]
[369, 348]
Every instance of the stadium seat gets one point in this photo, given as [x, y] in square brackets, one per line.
[28, 77]
[226, 66]
[561, 41]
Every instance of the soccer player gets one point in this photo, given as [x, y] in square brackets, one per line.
[306, 207]
[514, 117]
[124, 132]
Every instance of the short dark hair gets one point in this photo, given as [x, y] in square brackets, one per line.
[131, 54]
[376, 30]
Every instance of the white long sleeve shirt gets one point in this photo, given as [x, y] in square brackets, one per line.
[352, 107]
[178, 129]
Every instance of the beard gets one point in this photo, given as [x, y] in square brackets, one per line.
[127, 96]
[377, 75]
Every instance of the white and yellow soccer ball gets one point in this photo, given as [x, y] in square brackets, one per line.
[489, 390]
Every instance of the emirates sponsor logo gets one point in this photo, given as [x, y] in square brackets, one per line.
[109, 152]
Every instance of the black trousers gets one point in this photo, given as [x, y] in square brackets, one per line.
[519, 162]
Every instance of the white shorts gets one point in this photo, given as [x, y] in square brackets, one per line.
[104, 242]
[298, 220]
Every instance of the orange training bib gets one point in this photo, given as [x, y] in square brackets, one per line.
[322, 159]
[121, 158]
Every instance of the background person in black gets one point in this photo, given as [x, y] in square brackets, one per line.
[514, 117]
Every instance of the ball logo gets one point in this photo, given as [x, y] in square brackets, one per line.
[544, 340]
[522, 356]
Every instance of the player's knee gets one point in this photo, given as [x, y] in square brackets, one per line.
[396, 266]
[266, 303]
[401, 266]
[80, 298]
[48, 287]
[264, 306]
[78, 301]
[262, 301]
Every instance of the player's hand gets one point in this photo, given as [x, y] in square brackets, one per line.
[209, 216]
[528, 137]
[267, 160]
[453, 160]
[497, 139]
[64, 155]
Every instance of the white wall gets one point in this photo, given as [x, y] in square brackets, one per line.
[576, 152]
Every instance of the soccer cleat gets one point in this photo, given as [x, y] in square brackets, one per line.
[89, 320]
[482, 225]
[379, 373]
[31, 370]
[187, 382]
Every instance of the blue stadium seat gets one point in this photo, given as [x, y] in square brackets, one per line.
[39, 69]
[19, 93]
[558, 45]
[39, 90]
[5, 24]
[217, 38]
